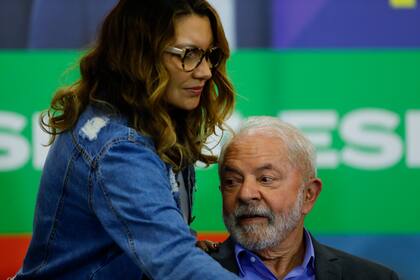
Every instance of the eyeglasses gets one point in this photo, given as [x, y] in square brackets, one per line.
[192, 57]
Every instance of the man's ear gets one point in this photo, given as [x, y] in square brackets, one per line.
[310, 194]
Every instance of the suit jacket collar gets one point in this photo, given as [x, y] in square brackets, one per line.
[326, 261]
[226, 256]
[327, 265]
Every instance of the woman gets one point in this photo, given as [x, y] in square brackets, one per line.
[116, 190]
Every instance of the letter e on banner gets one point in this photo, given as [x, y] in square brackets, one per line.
[372, 142]
[317, 126]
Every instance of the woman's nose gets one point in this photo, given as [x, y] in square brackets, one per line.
[203, 70]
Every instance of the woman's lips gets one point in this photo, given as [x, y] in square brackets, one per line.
[195, 91]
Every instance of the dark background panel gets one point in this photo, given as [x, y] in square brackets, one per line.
[14, 23]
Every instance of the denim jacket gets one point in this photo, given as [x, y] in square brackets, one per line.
[106, 210]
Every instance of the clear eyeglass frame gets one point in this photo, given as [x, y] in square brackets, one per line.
[191, 58]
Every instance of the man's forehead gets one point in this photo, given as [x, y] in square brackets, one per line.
[259, 142]
[255, 152]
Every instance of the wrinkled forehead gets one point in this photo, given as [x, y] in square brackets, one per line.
[254, 137]
[255, 144]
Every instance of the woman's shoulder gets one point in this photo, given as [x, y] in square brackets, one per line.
[97, 128]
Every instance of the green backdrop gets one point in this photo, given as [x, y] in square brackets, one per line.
[361, 108]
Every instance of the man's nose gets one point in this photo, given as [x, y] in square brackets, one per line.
[249, 190]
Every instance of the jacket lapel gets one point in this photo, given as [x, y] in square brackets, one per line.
[226, 256]
[327, 265]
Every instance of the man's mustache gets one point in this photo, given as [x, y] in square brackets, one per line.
[250, 211]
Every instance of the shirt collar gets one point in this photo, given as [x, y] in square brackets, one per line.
[308, 259]
[238, 251]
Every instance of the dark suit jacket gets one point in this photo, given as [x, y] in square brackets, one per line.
[330, 264]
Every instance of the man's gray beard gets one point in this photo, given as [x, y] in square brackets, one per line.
[260, 236]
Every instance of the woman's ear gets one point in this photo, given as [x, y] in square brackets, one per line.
[310, 194]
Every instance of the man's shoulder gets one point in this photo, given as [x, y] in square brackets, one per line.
[350, 266]
[226, 249]
[226, 255]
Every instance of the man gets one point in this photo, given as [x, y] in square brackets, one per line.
[268, 183]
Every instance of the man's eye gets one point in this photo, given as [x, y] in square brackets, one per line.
[229, 182]
[266, 179]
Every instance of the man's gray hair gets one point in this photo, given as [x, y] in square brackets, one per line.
[300, 151]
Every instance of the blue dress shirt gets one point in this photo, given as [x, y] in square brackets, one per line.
[252, 268]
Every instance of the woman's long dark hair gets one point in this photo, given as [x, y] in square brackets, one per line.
[124, 72]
